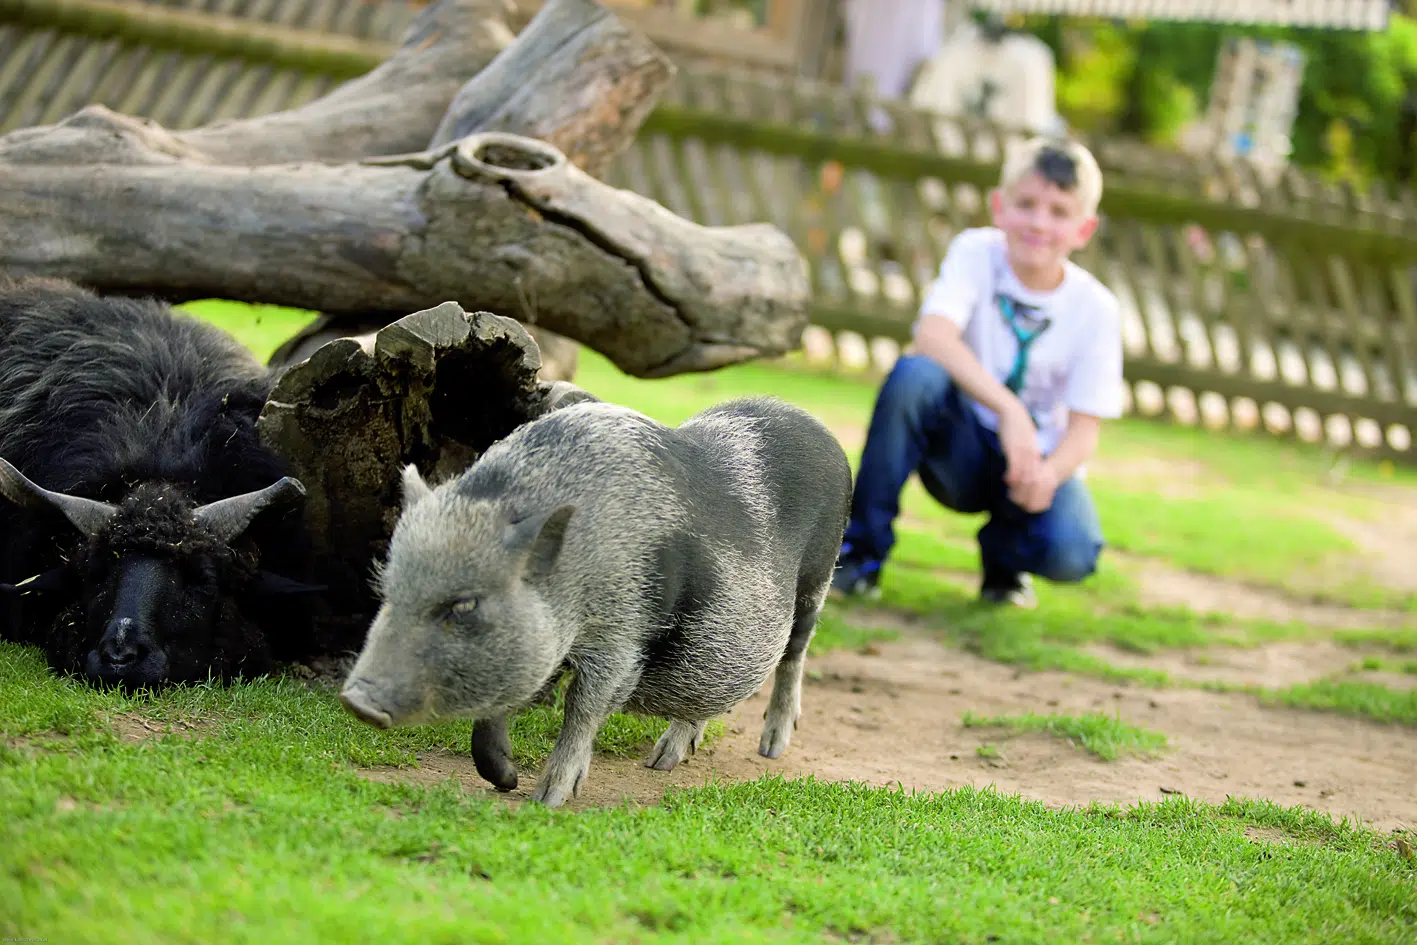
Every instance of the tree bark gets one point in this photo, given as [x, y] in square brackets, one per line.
[559, 355]
[496, 221]
[576, 78]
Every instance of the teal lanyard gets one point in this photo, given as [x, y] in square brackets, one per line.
[1014, 382]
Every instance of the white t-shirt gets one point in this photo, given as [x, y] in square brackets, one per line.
[1074, 364]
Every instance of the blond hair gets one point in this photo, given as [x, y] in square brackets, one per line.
[1024, 158]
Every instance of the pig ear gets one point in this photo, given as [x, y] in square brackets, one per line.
[415, 490]
[539, 538]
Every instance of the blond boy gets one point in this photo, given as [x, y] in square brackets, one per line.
[1017, 360]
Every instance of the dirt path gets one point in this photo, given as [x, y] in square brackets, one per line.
[1166, 586]
[893, 717]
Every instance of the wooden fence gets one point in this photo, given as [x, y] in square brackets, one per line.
[1289, 304]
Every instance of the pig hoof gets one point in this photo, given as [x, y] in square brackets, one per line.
[553, 789]
[679, 741]
[501, 773]
[549, 797]
[777, 734]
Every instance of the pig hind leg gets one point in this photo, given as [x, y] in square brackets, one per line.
[785, 704]
[678, 742]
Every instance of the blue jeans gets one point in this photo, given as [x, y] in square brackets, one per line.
[923, 423]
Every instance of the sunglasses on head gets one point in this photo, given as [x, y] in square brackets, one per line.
[1057, 167]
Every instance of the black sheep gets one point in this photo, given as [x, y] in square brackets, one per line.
[180, 525]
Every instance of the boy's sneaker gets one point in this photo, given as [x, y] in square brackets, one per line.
[1016, 590]
[856, 577]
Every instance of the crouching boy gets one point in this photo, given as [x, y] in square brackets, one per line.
[1017, 359]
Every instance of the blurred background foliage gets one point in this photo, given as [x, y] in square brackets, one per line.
[1358, 102]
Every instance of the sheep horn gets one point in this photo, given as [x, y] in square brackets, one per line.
[87, 515]
[48, 581]
[227, 518]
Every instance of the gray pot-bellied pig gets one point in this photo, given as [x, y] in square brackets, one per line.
[670, 569]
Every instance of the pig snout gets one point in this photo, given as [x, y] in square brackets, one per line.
[363, 705]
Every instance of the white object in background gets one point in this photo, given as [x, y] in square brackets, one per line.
[1009, 81]
[887, 40]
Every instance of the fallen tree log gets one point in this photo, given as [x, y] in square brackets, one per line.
[499, 219]
[124, 205]
[576, 78]
[396, 106]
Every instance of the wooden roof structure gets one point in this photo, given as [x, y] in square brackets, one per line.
[1303, 14]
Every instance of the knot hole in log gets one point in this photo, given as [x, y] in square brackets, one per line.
[499, 156]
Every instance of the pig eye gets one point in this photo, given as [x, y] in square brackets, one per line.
[462, 607]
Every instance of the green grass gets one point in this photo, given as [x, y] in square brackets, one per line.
[262, 328]
[1106, 737]
[835, 632]
[1265, 462]
[1349, 697]
[34, 701]
[1246, 534]
[257, 830]
[1382, 664]
[935, 578]
[250, 824]
[1398, 641]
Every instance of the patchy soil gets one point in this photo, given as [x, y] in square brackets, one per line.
[1275, 665]
[133, 727]
[1164, 586]
[892, 717]
[1386, 545]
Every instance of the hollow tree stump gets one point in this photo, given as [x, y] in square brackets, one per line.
[352, 415]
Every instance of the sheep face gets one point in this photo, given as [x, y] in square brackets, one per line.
[155, 588]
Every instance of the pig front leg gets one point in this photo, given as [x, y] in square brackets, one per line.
[590, 699]
[678, 742]
[492, 752]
